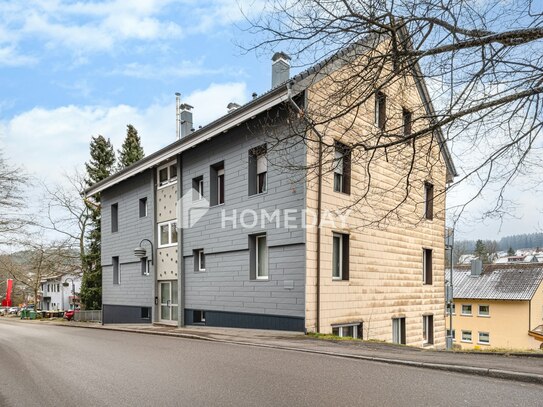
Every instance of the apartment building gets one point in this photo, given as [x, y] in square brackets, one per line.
[55, 295]
[498, 306]
[219, 220]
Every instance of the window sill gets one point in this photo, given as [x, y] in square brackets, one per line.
[483, 316]
[169, 184]
[261, 279]
[466, 315]
[465, 341]
[167, 245]
[483, 343]
[342, 193]
[199, 271]
[257, 194]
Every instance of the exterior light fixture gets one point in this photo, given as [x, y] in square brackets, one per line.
[140, 252]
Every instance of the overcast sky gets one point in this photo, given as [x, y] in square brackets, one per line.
[69, 70]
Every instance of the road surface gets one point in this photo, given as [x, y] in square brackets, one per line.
[45, 365]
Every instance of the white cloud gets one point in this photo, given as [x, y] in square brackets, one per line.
[9, 56]
[47, 142]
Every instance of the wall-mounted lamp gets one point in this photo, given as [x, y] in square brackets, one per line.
[140, 252]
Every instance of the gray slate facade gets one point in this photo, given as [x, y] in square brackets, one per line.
[225, 291]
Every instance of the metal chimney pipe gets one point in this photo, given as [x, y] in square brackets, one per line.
[177, 115]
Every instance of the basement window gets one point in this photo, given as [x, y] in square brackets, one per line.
[145, 313]
[199, 317]
[348, 330]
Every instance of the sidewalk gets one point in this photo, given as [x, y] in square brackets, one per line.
[519, 367]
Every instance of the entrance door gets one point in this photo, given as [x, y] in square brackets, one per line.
[168, 301]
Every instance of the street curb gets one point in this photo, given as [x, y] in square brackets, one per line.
[471, 370]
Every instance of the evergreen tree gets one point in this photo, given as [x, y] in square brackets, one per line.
[480, 251]
[510, 252]
[131, 150]
[99, 167]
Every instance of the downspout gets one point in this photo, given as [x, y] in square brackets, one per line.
[319, 201]
[181, 266]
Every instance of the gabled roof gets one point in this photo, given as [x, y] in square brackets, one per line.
[259, 104]
[504, 282]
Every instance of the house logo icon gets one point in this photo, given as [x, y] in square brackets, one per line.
[190, 210]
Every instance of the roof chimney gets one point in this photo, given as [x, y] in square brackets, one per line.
[280, 68]
[177, 117]
[476, 268]
[185, 115]
[232, 106]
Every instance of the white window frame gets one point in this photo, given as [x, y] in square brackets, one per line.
[398, 333]
[257, 252]
[200, 254]
[426, 330]
[265, 172]
[340, 237]
[465, 313]
[465, 340]
[220, 173]
[172, 179]
[479, 310]
[200, 189]
[341, 334]
[162, 244]
[479, 341]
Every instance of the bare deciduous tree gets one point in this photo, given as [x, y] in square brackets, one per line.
[36, 261]
[12, 181]
[482, 63]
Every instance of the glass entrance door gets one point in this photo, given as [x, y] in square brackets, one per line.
[168, 301]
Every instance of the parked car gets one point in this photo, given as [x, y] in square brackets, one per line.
[69, 314]
[13, 310]
[3, 311]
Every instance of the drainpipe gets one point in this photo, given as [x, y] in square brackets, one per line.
[319, 201]
[180, 265]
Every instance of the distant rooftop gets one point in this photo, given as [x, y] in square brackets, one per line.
[498, 282]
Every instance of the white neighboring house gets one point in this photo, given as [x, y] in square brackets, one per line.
[54, 296]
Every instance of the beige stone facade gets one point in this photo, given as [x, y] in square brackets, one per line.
[387, 228]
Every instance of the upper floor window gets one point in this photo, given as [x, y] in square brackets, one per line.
[466, 309]
[407, 117]
[428, 201]
[427, 266]
[143, 207]
[380, 110]
[342, 168]
[258, 170]
[216, 180]
[484, 310]
[114, 218]
[198, 188]
[199, 260]
[144, 263]
[167, 234]
[116, 270]
[340, 256]
[167, 174]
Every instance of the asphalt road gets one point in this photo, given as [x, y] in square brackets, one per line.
[60, 366]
